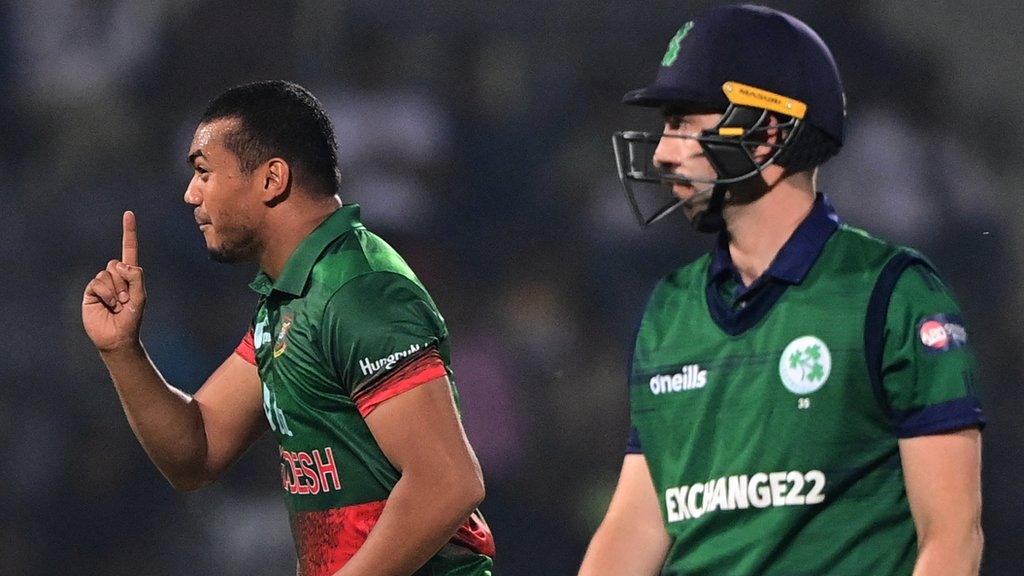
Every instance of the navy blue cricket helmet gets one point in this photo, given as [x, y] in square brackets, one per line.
[750, 63]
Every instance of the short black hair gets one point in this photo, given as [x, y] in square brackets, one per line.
[282, 119]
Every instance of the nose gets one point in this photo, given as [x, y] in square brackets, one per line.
[667, 154]
[192, 195]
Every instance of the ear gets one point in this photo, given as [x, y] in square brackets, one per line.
[277, 181]
[771, 136]
[774, 173]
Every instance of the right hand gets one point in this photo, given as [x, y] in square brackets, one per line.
[114, 300]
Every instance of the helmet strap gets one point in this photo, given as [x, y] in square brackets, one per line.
[711, 220]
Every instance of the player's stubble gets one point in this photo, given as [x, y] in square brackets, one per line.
[234, 239]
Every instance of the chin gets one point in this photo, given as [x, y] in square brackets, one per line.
[226, 255]
[221, 256]
[682, 192]
[232, 253]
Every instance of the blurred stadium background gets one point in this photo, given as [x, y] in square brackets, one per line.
[476, 135]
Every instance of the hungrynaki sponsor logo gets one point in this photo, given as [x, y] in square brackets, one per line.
[388, 362]
[689, 377]
[942, 332]
[742, 492]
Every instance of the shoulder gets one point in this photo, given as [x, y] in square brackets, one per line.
[678, 294]
[910, 271]
[919, 287]
[375, 292]
[855, 249]
[360, 257]
[682, 282]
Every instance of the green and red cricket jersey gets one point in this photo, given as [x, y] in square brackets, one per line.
[345, 327]
[769, 415]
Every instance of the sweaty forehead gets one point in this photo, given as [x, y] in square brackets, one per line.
[210, 135]
[202, 137]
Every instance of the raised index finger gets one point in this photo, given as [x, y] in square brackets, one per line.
[129, 240]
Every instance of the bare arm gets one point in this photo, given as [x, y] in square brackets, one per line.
[421, 434]
[943, 476]
[190, 439]
[632, 538]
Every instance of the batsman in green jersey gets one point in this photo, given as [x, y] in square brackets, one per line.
[346, 360]
[802, 398]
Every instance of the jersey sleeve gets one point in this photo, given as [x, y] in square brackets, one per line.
[927, 367]
[247, 348]
[633, 445]
[381, 334]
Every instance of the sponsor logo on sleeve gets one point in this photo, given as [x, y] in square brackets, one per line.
[942, 332]
[368, 366]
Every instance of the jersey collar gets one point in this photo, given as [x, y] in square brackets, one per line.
[797, 255]
[300, 263]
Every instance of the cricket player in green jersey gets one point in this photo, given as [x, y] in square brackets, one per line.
[346, 360]
[802, 398]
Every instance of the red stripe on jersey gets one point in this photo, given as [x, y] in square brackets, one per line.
[420, 371]
[247, 348]
[328, 539]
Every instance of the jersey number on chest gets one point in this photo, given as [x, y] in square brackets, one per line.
[274, 414]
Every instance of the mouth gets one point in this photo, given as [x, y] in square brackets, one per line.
[200, 221]
[682, 191]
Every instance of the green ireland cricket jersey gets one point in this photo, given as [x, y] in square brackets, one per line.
[769, 416]
[345, 327]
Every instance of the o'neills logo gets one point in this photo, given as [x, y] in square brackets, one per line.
[689, 377]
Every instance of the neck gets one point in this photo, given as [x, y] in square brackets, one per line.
[289, 224]
[757, 231]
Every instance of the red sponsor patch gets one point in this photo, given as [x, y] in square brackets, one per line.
[942, 332]
[934, 335]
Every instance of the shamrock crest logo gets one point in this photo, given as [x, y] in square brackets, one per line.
[805, 365]
[673, 45]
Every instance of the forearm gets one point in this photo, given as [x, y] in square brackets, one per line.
[943, 478]
[632, 538]
[621, 548]
[421, 515]
[951, 554]
[167, 421]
